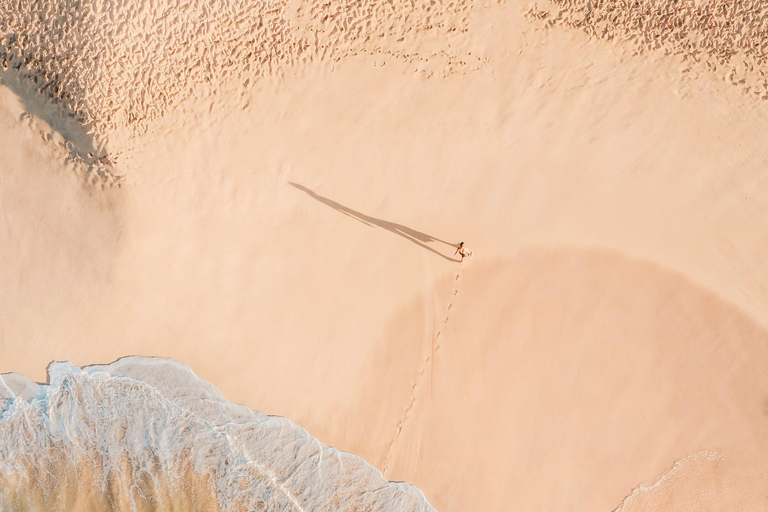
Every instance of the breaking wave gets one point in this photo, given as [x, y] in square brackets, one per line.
[146, 434]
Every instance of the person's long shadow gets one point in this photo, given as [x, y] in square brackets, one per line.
[417, 237]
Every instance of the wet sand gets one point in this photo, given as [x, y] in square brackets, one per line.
[296, 251]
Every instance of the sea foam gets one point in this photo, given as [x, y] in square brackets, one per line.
[148, 434]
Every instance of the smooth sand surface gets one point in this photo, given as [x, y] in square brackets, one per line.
[298, 254]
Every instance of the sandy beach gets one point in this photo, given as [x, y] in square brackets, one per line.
[287, 229]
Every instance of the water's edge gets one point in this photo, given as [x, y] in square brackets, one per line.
[148, 434]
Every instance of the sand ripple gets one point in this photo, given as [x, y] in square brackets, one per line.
[726, 37]
[122, 63]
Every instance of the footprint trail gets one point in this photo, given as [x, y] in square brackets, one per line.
[426, 365]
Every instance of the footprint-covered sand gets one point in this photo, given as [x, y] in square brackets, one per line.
[265, 199]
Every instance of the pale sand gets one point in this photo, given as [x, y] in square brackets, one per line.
[612, 322]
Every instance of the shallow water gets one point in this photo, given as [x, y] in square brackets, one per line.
[148, 434]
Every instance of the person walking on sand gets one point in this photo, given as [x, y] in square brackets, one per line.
[463, 252]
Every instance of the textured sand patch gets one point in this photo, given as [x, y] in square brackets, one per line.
[724, 37]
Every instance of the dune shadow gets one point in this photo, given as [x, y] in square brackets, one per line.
[41, 104]
[416, 237]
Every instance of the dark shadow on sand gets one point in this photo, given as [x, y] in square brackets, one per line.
[417, 237]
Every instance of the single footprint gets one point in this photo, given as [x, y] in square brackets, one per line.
[450, 306]
[438, 334]
[427, 360]
[437, 347]
[455, 292]
[446, 320]
[457, 276]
